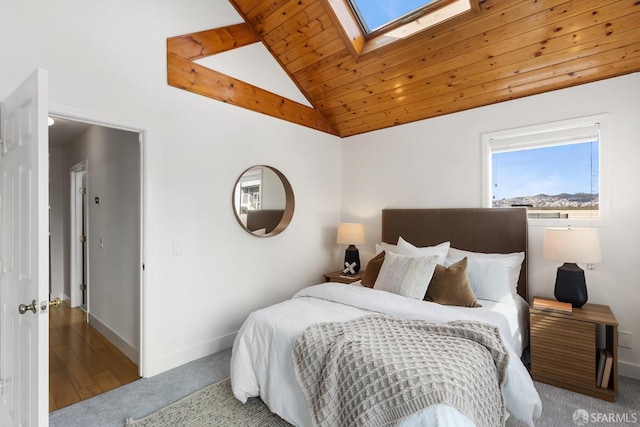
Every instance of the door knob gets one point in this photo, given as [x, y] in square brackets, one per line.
[23, 308]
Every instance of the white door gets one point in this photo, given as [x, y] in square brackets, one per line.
[24, 253]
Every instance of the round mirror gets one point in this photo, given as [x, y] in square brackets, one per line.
[263, 201]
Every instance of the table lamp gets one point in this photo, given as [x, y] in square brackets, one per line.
[351, 234]
[570, 246]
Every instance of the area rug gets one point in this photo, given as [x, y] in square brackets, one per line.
[214, 405]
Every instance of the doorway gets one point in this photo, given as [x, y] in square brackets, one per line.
[96, 258]
[78, 224]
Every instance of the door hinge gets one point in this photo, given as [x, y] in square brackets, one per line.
[82, 190]
[83, 286]
[83, 239]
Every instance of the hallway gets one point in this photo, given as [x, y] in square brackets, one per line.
[82, 363]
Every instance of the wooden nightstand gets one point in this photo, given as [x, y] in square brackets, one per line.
[564, 348]
[338, 276]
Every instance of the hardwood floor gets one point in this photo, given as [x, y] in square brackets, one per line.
[82, 363]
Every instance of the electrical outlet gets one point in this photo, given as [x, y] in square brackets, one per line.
[624, 339]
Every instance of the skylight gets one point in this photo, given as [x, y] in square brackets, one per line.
[371, 24]
[376, 15]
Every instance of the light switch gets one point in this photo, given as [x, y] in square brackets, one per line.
[177, 248]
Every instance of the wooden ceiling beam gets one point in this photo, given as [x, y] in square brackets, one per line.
[184, 73]
[206, 43]
[193, 77]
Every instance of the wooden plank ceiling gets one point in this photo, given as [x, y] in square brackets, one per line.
[506, 49]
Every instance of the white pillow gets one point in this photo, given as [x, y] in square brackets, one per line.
[405, 275]
[387, 247]
[441, 250]
[260, 232]
[493, 277]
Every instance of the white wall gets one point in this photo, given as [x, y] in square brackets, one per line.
[437, 163]
[107, 62]
[58, 200]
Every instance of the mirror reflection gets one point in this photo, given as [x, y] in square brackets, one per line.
[263, 201]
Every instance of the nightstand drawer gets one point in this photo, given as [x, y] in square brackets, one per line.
[563, 349]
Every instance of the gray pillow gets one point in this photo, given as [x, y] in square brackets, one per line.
[406, 275]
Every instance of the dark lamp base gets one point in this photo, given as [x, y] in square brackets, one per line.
[570, 285]
[351, 255]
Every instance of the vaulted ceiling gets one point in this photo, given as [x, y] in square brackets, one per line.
[501, 50]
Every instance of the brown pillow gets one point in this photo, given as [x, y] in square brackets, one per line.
[450, 286]
[371, 272]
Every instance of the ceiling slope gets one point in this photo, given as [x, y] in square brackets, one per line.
[505, 49]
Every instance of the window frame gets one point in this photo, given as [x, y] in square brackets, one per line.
[360, 44]
[533, 136]
[413, 15]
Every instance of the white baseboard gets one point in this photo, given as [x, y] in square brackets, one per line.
[115, 339]
[186, 355]
[629, 370]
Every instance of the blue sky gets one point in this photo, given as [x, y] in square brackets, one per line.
[550, 170]
[379, 12]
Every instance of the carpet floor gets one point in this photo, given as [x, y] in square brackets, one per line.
[214, 405]
[143, 397]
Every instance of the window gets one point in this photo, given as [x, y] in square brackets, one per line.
[555, 170]
[375, 14]
[248, 191]
[380, 17]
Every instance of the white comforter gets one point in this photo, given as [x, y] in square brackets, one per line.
[262, 363]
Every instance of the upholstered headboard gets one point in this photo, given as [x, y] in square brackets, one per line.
[264, 218]
[490, 230]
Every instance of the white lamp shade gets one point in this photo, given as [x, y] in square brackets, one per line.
[574, 245]
[350, 233]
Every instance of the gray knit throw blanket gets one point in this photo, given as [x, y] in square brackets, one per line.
[376, 370]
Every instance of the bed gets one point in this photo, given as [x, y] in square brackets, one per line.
[267, 219]
[263, 353]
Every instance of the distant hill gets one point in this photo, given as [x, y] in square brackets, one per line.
[563, 200]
